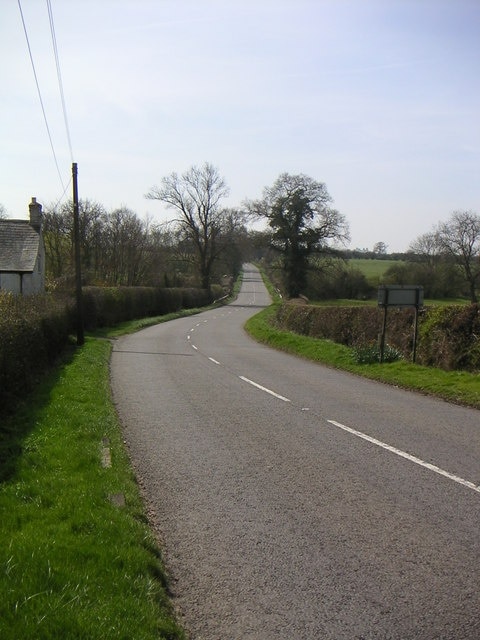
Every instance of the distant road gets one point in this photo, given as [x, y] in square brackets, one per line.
[293, 501]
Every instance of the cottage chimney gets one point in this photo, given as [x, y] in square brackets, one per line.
[35, 209]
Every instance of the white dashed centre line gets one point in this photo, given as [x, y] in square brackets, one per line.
[214, 361]
[259, 386]
[408, 456]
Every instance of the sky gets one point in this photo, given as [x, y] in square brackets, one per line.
[378, 99]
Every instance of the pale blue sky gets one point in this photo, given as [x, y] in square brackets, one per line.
[379, 99]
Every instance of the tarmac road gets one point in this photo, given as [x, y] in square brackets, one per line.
[294, 501]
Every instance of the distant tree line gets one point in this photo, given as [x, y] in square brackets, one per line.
[302, 247]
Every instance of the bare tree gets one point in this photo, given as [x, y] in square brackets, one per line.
[459, 237]
[426, 248]
[196, 197]
[297, 209]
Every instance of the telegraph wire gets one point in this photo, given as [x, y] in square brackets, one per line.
[59, 75]
[59, 200]
[40, 96]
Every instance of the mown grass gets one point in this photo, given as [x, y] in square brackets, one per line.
[457, 386]
[73, 563]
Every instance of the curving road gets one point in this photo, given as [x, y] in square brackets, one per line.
[294, 501]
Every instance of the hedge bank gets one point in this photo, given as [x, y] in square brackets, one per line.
[35, 330]
[448, 337]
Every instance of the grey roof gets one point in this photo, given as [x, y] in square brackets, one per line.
[19, 245]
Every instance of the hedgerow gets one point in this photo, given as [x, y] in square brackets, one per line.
[35, 330]
[108, 306]
[448, 337]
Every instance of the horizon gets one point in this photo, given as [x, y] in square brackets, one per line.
[379, 100]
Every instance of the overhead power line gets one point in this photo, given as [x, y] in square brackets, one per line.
[59, 75]
[40, 96]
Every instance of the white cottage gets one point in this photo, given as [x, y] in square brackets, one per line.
[22, 253]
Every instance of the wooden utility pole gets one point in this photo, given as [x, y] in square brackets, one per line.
[78, 270]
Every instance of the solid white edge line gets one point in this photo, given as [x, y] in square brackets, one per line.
[408, 456]
[259, 386]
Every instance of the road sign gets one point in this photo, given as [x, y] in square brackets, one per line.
[394, 295]
[400, 295]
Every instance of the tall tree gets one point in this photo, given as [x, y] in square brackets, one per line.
[298, 211]
[196, 196]
[459, 237]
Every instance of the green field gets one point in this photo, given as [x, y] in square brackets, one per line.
[373, 269]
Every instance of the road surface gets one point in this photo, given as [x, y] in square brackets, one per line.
[294, 501]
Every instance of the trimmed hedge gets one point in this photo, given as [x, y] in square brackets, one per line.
[35, 330]
[108, 306]
[448, 337]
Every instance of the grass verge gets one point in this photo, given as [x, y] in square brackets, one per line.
[77, 558]
[458, 387]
